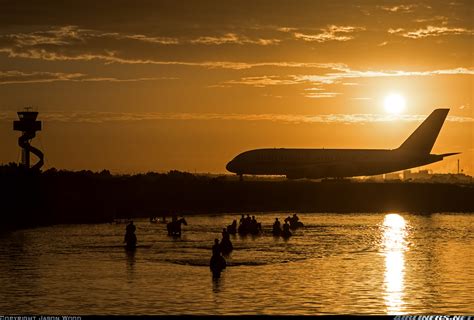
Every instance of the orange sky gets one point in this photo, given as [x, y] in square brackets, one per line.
[136, 86]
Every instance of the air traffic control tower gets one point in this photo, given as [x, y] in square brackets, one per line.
[28, 125]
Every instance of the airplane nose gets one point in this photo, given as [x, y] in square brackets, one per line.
[230, 166]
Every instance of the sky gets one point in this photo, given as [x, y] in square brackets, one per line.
[138, 86]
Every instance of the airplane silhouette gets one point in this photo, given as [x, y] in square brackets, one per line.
[339, 163]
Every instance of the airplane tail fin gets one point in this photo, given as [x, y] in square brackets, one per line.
[424, 137]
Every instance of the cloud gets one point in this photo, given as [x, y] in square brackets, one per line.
[71, 43]
[319, 95]
[112, 57]
[101, 117]
[286, 29]
[431, 31]
[262, 81]
[330, 33]
[73, 35]
[59, 36]
[344, 72]
[442, 19]
[314, 89]
[15, 77]
[340, 73]
[405, 8]
[395, 31]
[232, 38]
[20, 77]
[137, 37]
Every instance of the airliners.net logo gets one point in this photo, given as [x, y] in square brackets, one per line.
[434, 317]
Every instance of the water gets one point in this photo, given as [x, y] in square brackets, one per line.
[339, 263]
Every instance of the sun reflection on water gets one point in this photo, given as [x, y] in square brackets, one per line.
[394, 246]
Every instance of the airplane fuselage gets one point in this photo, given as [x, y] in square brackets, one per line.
[322, 163]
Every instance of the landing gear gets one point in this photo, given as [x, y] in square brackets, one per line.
[241, 177]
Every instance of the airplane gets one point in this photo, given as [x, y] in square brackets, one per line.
[341, 163]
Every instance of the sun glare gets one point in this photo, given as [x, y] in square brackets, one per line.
[395, 245]
[394, 103]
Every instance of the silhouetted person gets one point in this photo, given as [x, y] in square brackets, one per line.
[286, 233]
[248, 219]
[216, 248]
[130, 237]
[130, 227]
[277, 223]
[294, 222]
[226, 244]
[225, 234]
[276, 228]
[244, 227]
[174, 217]
[232, 228]
[217, 263]
[253, 225]
[295, 218]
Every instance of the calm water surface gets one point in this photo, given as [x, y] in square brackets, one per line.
[339, 263]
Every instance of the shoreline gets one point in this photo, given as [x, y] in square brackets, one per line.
[63, 197]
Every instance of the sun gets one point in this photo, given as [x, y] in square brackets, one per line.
[394, 103]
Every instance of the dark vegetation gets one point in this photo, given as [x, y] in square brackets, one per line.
[32, 198]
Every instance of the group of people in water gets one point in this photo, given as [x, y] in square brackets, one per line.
[173, 227]
[292, 223]
[247, 225]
